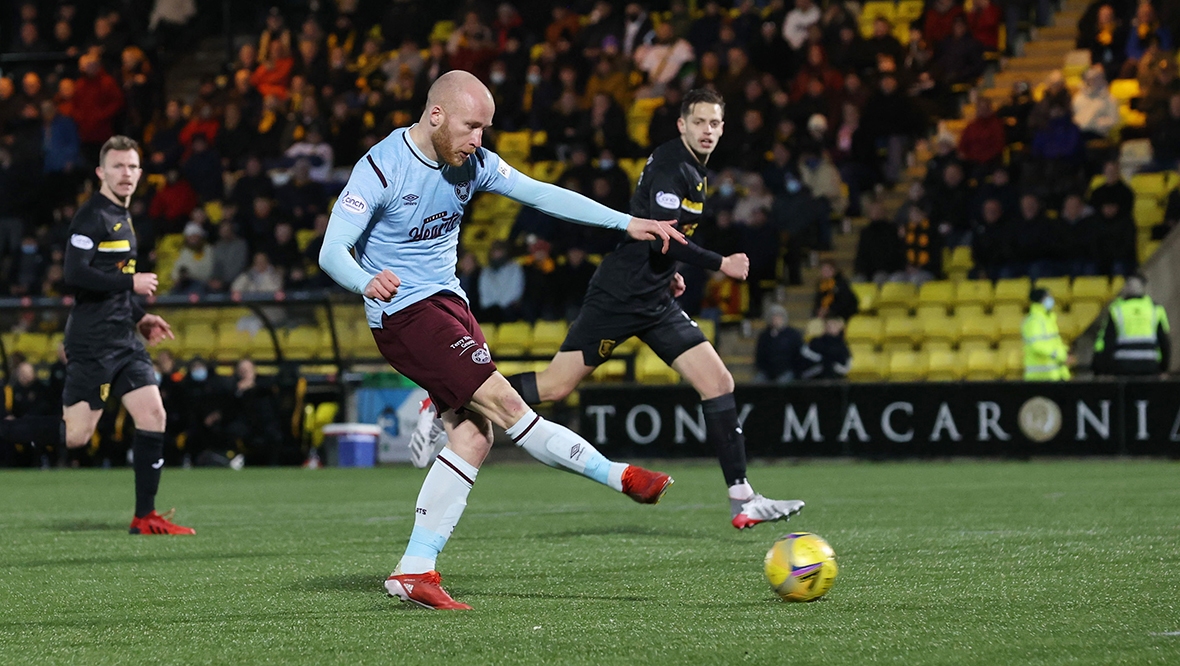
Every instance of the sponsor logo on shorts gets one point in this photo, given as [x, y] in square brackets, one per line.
[481, 356]
[668, 200]
[420, 511]
[353, 202]
[104, 392]
[463, 190]
[410, 200]
[605, 347]
[463, 344]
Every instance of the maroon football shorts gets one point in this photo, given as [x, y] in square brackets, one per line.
[437, 343]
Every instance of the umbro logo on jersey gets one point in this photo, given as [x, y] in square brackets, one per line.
[410, 200]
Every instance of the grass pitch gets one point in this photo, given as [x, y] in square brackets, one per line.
[961, 563]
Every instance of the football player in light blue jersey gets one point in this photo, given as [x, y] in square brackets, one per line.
[400, 215]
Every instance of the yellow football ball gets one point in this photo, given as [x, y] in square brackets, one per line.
[800, 567]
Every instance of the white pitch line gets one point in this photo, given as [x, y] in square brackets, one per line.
[1164, 633]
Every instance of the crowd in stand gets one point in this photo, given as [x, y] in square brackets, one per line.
[820, 118]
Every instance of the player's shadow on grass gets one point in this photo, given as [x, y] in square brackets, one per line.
[361, 583]
[84, 526]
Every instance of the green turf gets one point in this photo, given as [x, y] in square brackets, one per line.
[962, 563]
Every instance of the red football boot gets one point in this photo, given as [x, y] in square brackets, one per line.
[424, 589]
[643, 485]
[154, 523]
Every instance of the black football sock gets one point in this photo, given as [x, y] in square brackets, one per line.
[722, 429]
[526, 385]
[148, 451]
[40, 431]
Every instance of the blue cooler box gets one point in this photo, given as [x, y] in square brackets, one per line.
[356, 443]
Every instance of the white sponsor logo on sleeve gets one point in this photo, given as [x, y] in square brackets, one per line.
[82, 242]
[668, 200]
[504, 170]
[353, 202]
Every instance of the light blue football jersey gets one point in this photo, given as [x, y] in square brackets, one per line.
[409, 208]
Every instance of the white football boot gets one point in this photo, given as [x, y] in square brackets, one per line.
[759, 509]
[429, 436]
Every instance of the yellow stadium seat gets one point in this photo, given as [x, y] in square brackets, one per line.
[984, 365]
[489, 335]
[815, 328]
[35, 347]
[1009, 310]
[908, 10]
[861, 349]
[946, 329]
[868, 368]
[1068, 327]
[907, 366]
[200, 339]
[980, 328]
[1086, 312]
[302, 342]
[866, 295]
[547, 171]
[633, 166]
[937, 292]
[233, 345]
[961, 258]
[875, 9]
[1094, 289]
[1116, 286]
[1153, 185]
[1013, 290]
[1010, 325]
[1148, 212]
[969, 311]
[897, 295]
[1124, 89]
[1059, 287]
[515, 146]
[547, 337]
[629, 346]
[709, 328]
[930, 312]
[508, 368]
[944, 366]
[649, 369]
[902, 333]
[864, 329]
[613, 370]
[513, 339]
[931, 346]
[974, 292]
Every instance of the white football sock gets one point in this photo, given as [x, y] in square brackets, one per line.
[441, 502]
[741, 491]
[558, 446]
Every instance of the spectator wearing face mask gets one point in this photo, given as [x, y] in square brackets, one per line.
[205, 399]
[501, 286]
[27, 269]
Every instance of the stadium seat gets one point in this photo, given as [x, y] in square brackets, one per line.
[35, 347]
[514, 146]
[1153, 185]
[547, 171]
[908, 10]
[612, 370]
[1148, 212]
[489, 335]
[974, 292]
[861, 349]
[649, 369]
[1013, 362]
[1087, 312]
[1059, 287]
[633, 166]
[960, 262]
[302, 342]
[509, 368]
[1013, 290]
[937, 293]
[1124, 90]
[1094, 289]
[1010, 324]
[864, 329]
[907, 366]
[984, 329]
[868, 368]
[874, 9]
[1009, 310]
[513, 339]
[944, 329]
[901, 333]
[897, 297]
[547, 337]
[985, 364]
[709, 328]
[866, 295]
[815, 328]
[944, 366]
[1069, 327]
[200, 339]
[1116, 286]
[233, 344]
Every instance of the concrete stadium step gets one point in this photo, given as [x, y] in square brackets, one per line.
[1045, 46]
[1060, 31]
[184, 77]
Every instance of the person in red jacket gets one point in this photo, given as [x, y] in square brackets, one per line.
[273, 75]
[204, 121]
[984, 21]
[97, 100]
[983, 140]
[172, 204]
[940, 20]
